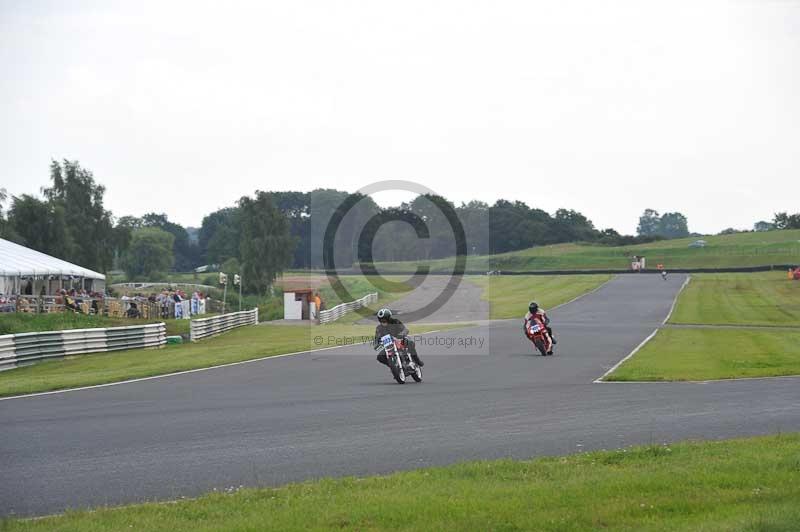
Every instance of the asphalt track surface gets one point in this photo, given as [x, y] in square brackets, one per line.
[337, 412]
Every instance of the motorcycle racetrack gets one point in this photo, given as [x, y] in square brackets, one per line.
[337, 412]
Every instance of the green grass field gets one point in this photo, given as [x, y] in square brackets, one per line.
[509, 296]
[15, 323]
[713, 353]
[766, 305]
[389, 288]
[735, 485]
[737, 250]
[768, 299]
[244, 343]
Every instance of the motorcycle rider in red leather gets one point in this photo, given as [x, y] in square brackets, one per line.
[538, 314]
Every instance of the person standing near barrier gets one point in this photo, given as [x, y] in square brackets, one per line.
[317, 304]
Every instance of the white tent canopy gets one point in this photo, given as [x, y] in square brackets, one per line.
[18, 261]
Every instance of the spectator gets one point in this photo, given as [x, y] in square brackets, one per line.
[317, 304]
[69, 303]
[133, 311]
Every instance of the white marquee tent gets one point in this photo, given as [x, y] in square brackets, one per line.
[20, 265]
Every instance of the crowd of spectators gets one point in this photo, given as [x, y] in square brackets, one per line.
[169, 303]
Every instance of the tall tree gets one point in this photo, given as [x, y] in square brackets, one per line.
[673, 225]
[572, 226]
[89, 239]
[149, 253]
[219, 236]
[5, 226]
[266, 245]
[783, 220]
[186, 254]
[649, 223]
[296, 206]
[40, 225]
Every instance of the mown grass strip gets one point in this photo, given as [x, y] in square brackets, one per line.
[768, 299]
[245, 343]
[509, 296]
[678, 354]
[745, 484]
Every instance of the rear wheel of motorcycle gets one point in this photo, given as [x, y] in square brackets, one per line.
[540, 346]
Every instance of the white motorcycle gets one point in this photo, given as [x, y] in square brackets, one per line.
[399, 359]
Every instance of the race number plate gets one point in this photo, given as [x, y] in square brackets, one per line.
[386, 340]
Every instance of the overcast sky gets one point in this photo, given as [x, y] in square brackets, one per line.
[604, 107]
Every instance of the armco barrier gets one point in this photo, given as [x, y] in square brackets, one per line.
[28, 348]
[338, 311]
[205, 327]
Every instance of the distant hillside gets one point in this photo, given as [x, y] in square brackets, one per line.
[723, 251]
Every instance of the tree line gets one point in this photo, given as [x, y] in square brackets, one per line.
[263, 234]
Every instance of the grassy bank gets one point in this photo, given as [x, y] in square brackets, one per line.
[724, 251]
[17, 322]
[744, 485]
[358, 286]
[713, 353]
[509, 296]
[245, 343]
[768, 299]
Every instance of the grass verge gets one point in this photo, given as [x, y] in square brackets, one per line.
[245, 343]
[745, 485]
[509, 296]
[677, 354]
[768, 299]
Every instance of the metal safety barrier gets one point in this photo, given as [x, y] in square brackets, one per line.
[28, 348]
[205, 327]
[327, 316]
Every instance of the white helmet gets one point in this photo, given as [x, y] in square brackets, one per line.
[384, 314]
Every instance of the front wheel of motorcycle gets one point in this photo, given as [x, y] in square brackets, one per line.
[398, 373]
[539, 343]
[417, 374]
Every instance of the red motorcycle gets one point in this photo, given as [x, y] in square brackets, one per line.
[537, 333]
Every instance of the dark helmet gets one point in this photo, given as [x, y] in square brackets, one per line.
[384, 314]
[533, 307]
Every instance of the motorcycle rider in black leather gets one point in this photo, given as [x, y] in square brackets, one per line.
[389, 325]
